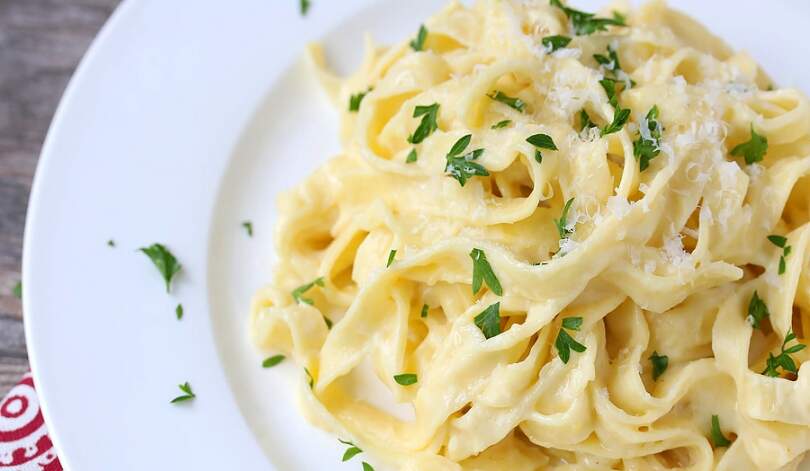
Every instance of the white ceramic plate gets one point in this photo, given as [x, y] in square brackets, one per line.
[186, 118]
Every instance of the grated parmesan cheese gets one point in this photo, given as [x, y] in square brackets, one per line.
[706, 216]
[566, 53]
[567, 245]
[673, 251]
[618, 206]
[728, 172]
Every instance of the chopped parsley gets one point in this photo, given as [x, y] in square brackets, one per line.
[609, 62]
[178, 311]
[753, 150]
[405, 379]
[783, 360]
[584, 23]
[562, 223]
[272, 361]
[305, 4]
[165, 262]
[328, 322]
[620, 118]
[463, 167]
[489, 321]
[659, 364]
[585, 121]
[424, 312]
[502, 124]
[541, 141]
[298, 293]
[351, 452]
[411, 157]
[429, 114]
[367, 467]
[248, 228]
[718, 439]
[645, 149]
[609, 85]
[757, 311]
[482, 272]
[565, 343]
[514, 103]
[552, 43]
[356, 99]
[17, 290]
[418, 44]
[310, 379]
[111, 243]
[391, 255]
[781, 242]
[187, 395]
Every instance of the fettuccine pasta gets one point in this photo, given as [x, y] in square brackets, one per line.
[553, 240]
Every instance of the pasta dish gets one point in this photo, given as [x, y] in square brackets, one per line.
[554, 239]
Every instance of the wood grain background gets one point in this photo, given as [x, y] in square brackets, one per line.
[41, 42]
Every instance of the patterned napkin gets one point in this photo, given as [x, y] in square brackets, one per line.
[24, 441]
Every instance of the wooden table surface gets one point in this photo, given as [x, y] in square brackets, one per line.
[41, 42]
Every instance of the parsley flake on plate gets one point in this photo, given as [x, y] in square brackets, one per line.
[272, 361]
[391, 255]
[351, 452]
[164, 261]
[248, 225]
[187, 395]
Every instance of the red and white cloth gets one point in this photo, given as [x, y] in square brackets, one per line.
[24, 441]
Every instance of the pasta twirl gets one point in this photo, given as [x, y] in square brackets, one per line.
[554, 240]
